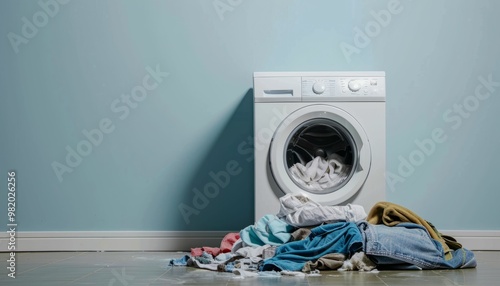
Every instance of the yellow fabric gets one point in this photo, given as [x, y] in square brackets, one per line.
[391, 214]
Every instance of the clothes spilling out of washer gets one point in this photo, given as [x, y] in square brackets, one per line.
[317, 176]
[305, 238]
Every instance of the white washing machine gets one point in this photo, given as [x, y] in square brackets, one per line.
[303, 118]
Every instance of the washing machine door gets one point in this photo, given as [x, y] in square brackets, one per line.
[320, 151]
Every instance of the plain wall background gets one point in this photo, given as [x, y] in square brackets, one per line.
[65, 77]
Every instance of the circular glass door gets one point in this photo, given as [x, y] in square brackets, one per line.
[322, 152]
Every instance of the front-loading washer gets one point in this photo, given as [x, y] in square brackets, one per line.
[302, 118]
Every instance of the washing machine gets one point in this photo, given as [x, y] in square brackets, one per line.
[304, 120]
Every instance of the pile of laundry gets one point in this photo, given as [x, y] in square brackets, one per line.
[306, 237]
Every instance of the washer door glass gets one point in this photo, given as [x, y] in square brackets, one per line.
[322, 152]
[320, 156]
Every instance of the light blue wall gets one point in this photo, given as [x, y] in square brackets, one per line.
[68, 77]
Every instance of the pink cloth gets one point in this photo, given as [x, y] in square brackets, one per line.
[195, 252]
[228, 241]
[212, 250]
[225, 246]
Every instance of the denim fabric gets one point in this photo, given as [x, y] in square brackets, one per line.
[407, 244]
[342, 237]
[392, 214]
[180, 261]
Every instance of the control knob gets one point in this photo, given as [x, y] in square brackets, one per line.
[319, 87]
[354, 85]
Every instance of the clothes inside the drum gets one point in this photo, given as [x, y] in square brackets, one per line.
[320, 173]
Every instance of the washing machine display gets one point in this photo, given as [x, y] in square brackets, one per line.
[328, 138]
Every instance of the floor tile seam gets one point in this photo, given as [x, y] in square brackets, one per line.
[29, 270]
[164, 272]
[380, 278]
[447, 278]
[86, 275]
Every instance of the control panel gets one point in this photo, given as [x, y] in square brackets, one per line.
[314, 86]
[319, 86]
[338, 88]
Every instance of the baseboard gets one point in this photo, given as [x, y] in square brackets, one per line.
[476, 239]
[112, 240]
[175, 240]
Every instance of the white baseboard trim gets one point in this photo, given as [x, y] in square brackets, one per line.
[476, 239]
[112, 240]
[175, 240]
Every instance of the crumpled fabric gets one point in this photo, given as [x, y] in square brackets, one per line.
[268, 230]
[198, 251]
[255, 254]
[330, 261]
[300, 234]
[225, 246]
[341, 237]
[228, 241]
[204, 261]
[358, 261]
[320, 173]
[410, 244]
[183, 261]
[299, 211]
[392, 214]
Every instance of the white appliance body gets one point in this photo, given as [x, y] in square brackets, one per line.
[299, 116]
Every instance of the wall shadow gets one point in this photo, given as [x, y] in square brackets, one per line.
[222, 187]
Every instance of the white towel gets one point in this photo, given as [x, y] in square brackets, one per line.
[299, 211]
[320, 174]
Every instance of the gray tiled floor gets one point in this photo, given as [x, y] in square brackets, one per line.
[150, 268]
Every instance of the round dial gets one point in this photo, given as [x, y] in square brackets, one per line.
[319, 87]
[354, 85]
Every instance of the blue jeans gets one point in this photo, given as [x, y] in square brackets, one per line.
[409, 246]
[341, 237]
